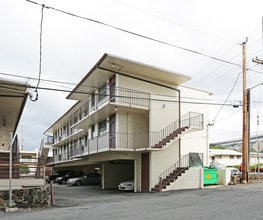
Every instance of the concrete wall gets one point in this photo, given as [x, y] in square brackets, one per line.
[20, 183]
[191, 179]
[224, 177]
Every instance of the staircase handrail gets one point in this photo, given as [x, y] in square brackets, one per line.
[190, 119]
[185, 162]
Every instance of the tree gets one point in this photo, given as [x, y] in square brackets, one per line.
[23, 169]
[216, 147]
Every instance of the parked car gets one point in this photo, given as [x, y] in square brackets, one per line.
[127, 185]
[71, 174]
[235, 172]
[256, 170]
[57, 174]
[89, 179]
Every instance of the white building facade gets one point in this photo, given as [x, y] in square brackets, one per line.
[132, 122]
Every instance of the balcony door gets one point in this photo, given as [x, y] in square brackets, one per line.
[112, 128]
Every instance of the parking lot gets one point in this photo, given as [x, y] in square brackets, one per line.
[90, 202]
[66, 196]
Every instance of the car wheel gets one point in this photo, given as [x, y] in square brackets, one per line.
[64, 181]
[78, 183]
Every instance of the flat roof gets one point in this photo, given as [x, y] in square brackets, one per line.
[108, 65]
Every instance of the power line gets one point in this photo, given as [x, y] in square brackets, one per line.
[119, 96]
[34, 99]
[54, 82]
[175, 23]
[137, 34]
[227, 97]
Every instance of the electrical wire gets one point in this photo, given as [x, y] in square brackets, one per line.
[171, 100]
[227, 97]
[34, 99]
[138, 35]
[175, 23]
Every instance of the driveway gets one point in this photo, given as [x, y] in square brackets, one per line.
[73, 203]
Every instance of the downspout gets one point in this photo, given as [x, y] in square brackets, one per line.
[179, 110]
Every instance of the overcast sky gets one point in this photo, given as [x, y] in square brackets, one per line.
[201, 39]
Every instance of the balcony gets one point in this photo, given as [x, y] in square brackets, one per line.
[106, 103]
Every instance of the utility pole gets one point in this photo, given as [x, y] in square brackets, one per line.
[245, 117]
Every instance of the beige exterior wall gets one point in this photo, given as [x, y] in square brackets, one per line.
[196, 141]
[163, 113]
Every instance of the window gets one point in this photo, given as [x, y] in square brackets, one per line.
[232, 156]
[103, 92]
[102, 127]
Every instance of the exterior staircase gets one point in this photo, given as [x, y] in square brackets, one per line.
[191, 120]
[170, 137]
[171, 174]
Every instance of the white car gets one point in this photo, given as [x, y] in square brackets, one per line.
[128, 185]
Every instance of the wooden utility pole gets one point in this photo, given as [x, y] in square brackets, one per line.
[245, 118]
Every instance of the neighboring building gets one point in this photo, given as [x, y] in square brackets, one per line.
[255, 158]
[28, 163]
[13, 96]
[225, 157]
[131, 122]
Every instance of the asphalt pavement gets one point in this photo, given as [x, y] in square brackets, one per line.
[242, 201]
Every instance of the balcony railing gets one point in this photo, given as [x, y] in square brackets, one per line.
[116, 95]
[128, 141]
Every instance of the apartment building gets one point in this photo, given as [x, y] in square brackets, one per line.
[135, 122]
[13, 97]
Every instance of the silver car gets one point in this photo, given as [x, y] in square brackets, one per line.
[127, 185]
[89, 179]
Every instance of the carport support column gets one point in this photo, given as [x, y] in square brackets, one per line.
[137, 173]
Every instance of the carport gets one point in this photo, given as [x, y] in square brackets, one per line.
[117, 171]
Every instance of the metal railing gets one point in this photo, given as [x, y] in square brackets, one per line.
[189, 160]
[189, 120]
[117, 95]
[22, 168]
[129, 141]
[193, 120]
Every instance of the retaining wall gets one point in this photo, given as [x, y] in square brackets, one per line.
[31, 197]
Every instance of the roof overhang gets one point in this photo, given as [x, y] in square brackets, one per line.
[109, 65]
[13, 96]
